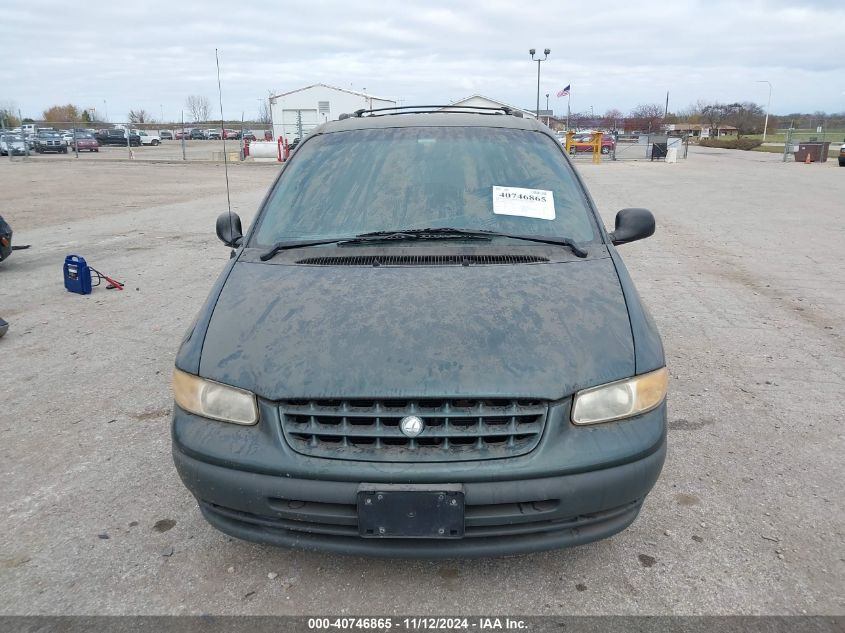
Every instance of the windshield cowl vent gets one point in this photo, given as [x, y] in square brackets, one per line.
[422, 260]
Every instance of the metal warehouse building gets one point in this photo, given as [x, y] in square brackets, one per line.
[297, 112]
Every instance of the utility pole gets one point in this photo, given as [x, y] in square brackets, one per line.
[182, 134]
[666, 109]
[768, 105]
[532, 52]
[25, 140]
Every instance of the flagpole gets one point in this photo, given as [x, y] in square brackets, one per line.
[568, 100]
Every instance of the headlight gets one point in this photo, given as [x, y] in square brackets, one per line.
[214, 400]
[621, 399]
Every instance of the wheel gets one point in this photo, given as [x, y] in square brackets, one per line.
[64, 150]
[842, 162]
[155, 141]
[605, 150]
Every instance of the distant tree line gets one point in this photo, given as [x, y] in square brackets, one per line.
[747, 117]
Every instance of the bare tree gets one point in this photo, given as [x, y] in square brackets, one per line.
[264, 115]
[139, 116]
[715, 114]
[646, 117]
[747, 118]
[693, 112]
[612, 119]
[9, 114]
[198, 107]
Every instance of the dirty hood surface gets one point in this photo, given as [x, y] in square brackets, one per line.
[525, 330]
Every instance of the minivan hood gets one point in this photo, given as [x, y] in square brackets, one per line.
[525, 330]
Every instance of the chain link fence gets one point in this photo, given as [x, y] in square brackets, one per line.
[625, 147]
[128, 141]
[822, 144]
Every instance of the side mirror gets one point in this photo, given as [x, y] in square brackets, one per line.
[632, 225]
[229, 229]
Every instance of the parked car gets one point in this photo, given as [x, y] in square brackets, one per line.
[147, 137]
[248, 135]
[86, 142]
[165, 135]
[67, 136]
[447, 359]
[196, 135]
[213, 134]
[231, 134]
[181, 134]
[584, 143]
[117, 136]
[842, 154]
[12, 143]
[50, 142]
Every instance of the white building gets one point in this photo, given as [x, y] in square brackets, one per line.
[297, 112]
[480, 101]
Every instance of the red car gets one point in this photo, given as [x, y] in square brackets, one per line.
[230, 134]
[584, 143]
[86, 142]
[182, 134]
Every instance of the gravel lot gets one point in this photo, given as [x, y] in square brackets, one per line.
[745, 277]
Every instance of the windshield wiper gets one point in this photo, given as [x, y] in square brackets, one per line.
[284, 246]
[439, 233]
[443, 232]
[377, 236]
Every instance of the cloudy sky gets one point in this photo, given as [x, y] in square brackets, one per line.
[116, 55]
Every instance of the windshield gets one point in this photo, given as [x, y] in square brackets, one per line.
[345, 183]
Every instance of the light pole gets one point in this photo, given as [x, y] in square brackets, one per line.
[768, 105]
[547, 108]
[532, 52]
[106, 109]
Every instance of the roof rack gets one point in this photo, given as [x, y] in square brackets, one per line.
[422, 109]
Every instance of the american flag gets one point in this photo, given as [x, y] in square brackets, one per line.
[564, 92]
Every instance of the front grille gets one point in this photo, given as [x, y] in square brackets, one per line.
[422, 260]
[480, 521]
[455, 429]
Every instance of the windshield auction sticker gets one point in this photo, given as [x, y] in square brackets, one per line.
[527, 203]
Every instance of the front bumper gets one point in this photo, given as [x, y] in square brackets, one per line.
[579, 485]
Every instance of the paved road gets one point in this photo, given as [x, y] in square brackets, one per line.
[744, 277]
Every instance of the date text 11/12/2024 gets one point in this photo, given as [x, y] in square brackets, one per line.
[418, 624]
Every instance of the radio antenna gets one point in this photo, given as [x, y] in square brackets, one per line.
[223, 134]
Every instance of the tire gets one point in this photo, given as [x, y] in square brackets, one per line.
[96, 150]
[156, 141]
[842, 162]
[64, 150]
[605, 150]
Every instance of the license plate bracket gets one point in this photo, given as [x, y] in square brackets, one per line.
[405, 511]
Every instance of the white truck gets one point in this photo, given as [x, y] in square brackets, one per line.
[148, 137]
